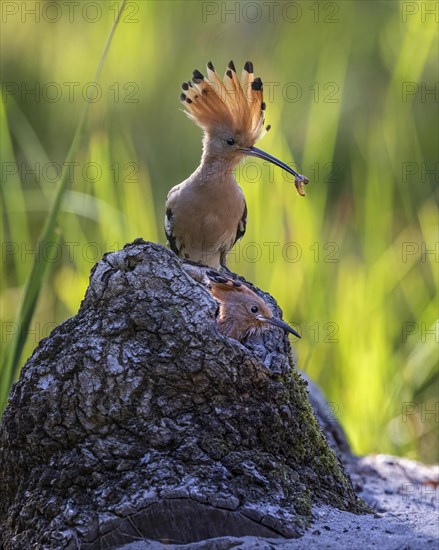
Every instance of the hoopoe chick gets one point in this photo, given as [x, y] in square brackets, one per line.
[206, 214]
[242, 313]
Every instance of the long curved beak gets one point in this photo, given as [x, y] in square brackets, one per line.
[255, 152]
[278, 323]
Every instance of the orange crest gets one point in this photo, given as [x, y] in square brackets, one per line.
[215, 105]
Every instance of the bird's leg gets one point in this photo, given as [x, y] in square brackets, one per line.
[224, 269]
[196, 270]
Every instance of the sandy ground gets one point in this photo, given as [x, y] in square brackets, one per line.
[404, 495]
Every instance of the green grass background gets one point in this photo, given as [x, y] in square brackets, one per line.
[350, 93]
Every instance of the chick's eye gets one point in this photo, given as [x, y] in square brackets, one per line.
[254, 309]
[230, 141]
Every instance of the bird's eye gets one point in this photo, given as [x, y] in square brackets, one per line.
[254, 309]
[230, 141]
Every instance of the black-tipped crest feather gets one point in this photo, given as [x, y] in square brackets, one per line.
[248, 66]
[196, 74]
[223, 281]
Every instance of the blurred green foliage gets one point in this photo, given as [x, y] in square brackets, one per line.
[351, 93]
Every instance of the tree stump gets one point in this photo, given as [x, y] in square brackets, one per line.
[137, 419]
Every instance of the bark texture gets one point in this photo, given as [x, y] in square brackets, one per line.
[137, 419]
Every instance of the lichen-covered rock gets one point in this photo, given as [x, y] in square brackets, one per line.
[136, 418]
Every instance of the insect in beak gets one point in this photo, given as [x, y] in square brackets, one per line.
[299, 180]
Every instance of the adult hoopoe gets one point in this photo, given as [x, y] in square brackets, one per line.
[207, 213]
[241, 311]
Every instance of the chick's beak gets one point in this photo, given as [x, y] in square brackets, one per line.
[278, 323]
[255, 152]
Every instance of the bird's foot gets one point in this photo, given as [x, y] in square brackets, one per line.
[197, 271]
